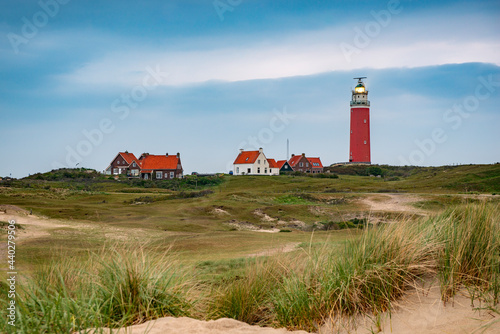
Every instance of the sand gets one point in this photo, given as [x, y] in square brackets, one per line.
[422, 311]
[191, 326]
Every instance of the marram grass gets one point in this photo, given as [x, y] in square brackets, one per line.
[114, 288]
[469, 252]
[461, 247]
[300, 290]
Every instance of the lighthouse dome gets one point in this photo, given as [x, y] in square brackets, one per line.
[360, 88]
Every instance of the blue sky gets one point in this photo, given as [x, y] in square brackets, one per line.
[82, 80]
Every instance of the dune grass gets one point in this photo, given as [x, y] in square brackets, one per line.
[113, 288]
[301, 290]
[460, 246]
[469, 240]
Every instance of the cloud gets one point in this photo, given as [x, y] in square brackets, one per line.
[300, 53]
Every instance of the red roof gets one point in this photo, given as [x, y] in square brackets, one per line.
[294, 160]
[246, 157]
[280, 163]
[272, 163]
[151, 162]
[129, 157]
[315, 161]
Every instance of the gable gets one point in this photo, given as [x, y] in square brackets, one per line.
[128, 157]
[294, 161]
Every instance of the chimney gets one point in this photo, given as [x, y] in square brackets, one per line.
[303, 154]
[241, 150]
[260, 150]
[293, 155]
[178, 155]
[166, 154]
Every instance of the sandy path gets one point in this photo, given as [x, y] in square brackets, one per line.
[33, 226]
[290, 247]
[392, 203]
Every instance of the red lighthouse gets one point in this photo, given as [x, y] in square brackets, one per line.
[359, 148]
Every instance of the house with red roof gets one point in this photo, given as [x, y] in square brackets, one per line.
[273, 167]
[160, 167]
[123, 163]
[301, 163]
[284, 166]
[148, 166]
[253, 163]
[317, 166]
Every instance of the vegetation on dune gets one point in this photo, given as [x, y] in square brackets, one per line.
[116, 288]
[351, 267]
[91, 180]
[113, 288]
[460, 246]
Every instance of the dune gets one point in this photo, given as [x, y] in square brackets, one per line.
[186, 325]
[422, 311]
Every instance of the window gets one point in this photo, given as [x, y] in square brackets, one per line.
[172, 174]
[237, 170]
[118, 162]
[258, 161]
[265, 170]
[307, 164]
[301, 164]
[249, 170]
[133, 164]
[365, 142]
[258, 170]
[159, 175]
[115, 170]
[135, 172]
[246, 159]
[365, 120]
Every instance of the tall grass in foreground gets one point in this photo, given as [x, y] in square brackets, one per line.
[460, 246]
[114, 288]
[470, 250]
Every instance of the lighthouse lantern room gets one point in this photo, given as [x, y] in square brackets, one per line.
[359, 144]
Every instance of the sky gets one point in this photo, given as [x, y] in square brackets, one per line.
[81, 81]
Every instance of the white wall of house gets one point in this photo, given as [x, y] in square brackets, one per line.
[274, 171]
[259, 167]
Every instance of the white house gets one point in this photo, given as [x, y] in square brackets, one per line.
[252, 163]
[273, 167]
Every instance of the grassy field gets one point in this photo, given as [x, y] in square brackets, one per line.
[217, 231]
